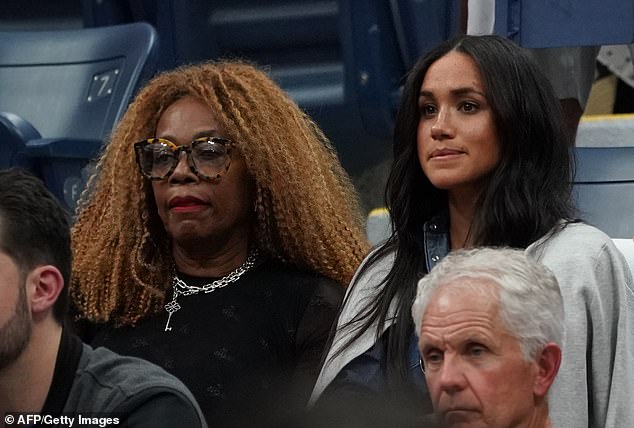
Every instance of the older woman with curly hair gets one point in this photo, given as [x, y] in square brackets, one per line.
[217, 238]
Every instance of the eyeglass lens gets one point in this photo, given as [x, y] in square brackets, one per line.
[208, 157]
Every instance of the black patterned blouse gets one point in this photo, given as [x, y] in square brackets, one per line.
[249, 352]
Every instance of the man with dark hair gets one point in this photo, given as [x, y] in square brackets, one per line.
[45, 371]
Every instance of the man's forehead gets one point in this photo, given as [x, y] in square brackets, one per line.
[465, 293]
[464, 309]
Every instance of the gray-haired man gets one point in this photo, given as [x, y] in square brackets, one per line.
[490, 325]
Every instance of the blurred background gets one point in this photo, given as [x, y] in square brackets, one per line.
[343, 61]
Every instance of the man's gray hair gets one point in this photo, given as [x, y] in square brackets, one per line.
[530, 301]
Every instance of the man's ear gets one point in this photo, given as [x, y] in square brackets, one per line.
[44, 283]
[548, 365]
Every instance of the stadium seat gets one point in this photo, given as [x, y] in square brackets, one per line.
[378, 226]
[604, 188]
[61, 94]
[613, 130]
[306, 45]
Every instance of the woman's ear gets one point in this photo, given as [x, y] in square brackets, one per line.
[44, 284]
[548, 365]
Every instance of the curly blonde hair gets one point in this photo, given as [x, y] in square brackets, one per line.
[307, 211]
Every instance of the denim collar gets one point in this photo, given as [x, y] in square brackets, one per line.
[436, 238]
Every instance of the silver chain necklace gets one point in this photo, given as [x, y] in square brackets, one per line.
[179, 286]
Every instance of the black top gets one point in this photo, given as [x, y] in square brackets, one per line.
[66, 363]
[250, 351]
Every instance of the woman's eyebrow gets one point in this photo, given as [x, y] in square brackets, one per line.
[457, 91]
[426, 94]
[467, 90]
[206, 133]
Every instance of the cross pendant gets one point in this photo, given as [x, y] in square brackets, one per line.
[171, 307]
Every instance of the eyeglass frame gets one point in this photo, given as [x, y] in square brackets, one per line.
[187, 148]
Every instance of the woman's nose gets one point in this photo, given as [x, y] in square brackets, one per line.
[442, 128]
[182, 172]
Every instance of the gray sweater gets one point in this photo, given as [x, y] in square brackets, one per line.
[595, 383]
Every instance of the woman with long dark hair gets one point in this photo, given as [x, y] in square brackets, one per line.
[481, 158]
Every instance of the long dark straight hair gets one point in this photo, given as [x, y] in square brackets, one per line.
[527, 195]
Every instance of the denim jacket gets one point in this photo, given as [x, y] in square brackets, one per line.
[363, 366]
